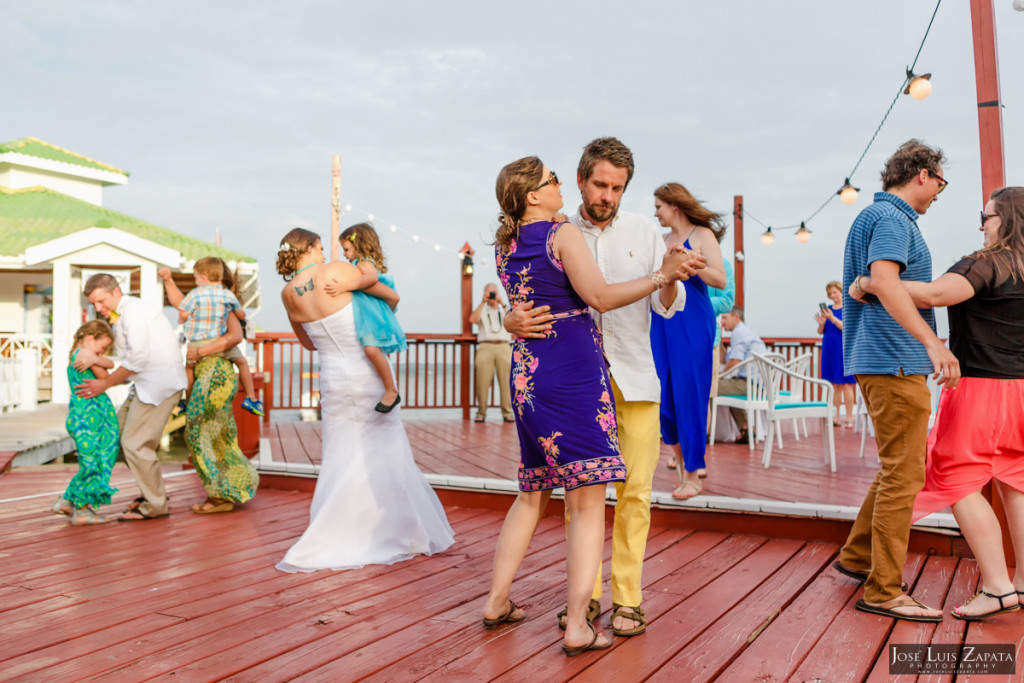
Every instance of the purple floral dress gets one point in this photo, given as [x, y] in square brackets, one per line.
[561, 392]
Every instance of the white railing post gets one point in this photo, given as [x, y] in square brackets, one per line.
[28, 382]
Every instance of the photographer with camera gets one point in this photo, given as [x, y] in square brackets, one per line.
[493, 352]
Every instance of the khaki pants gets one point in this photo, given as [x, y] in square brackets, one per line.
[640, 440]
[490, 358]
[899, 407]
[735, 386]
[142, 425]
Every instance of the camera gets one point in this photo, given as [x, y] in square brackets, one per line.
[492, 295]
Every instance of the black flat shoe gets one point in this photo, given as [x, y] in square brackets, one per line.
[382, 407]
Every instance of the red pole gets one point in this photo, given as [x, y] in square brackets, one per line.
[990, 111]
[466, 308]
[737, 221]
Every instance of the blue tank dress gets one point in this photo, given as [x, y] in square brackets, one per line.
[376, 324]
[682, 347]
[92, 423]
[832, 352]
[564, 408]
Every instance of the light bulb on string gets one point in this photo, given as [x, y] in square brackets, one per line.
[348, 207]
[918, 87]
[848, 193]
[393, 228]
[437, 247]
[369, 218]
[803, 235]
[415, 238]
[767, 237]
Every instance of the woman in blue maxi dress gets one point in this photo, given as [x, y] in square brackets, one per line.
[830, 326]
[682, 345]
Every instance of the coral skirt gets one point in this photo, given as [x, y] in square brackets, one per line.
[978, 436]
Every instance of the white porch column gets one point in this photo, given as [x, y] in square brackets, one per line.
[149, 289]
[66, 319]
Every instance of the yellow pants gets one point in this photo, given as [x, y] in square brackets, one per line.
[640, 441]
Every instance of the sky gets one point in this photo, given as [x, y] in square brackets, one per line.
[227, 114]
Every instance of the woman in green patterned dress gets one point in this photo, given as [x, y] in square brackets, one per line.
[92, 423]
[210, 430]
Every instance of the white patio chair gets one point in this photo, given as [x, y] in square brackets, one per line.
[755, 401]
[801, 365]
[773, 372]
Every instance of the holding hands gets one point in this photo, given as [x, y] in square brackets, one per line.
[682, 263]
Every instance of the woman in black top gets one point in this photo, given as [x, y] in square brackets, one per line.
[979, 429]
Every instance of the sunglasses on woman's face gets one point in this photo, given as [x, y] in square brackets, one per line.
[986, 216]
[553, 178]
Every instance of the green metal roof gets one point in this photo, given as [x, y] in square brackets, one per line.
[34, 215]
[34, 147]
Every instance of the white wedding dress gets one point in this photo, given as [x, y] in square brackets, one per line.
[372, 504]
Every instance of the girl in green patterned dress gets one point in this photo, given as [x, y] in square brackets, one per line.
[92, 423]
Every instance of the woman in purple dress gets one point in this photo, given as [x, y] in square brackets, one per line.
[562, 396]
[830, 325]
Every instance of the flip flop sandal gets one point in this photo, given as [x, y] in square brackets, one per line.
[635, 614]
[141, 517]
[478, 419]
[698, 488]
[90, 517]
[505, 618]
[211, 506]
[891, 612]
[979, 617]
[593, 612]
[860, 576]
[136, 502]
[592, 645]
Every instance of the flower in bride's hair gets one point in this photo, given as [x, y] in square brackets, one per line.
[284, 247]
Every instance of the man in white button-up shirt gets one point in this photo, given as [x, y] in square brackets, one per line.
[626, 246]
[151, 360]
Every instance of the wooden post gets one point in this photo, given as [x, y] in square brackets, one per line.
[740, 256]
[335, 208]
[990, 110]
[993, 175]
[465, 371]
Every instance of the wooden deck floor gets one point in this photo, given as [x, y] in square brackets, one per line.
[197, 598]
[491, 449]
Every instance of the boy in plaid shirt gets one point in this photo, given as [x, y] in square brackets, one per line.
[203, 312]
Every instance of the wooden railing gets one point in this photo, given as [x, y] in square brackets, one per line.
[11, 343]
[434, 372]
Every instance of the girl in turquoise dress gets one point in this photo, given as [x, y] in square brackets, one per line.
[376, 324]
[92, 423]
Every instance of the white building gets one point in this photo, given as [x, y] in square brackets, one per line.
[55, 234]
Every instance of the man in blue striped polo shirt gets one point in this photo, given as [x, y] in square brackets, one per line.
[891, 347]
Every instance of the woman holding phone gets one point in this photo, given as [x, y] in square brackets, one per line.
[830, 325]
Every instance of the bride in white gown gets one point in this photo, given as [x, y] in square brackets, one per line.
[372, 504]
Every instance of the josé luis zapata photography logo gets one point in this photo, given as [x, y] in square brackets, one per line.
[952, 659]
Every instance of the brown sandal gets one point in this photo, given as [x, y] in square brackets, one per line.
[592, 645]
[593, 612]
[505, 618]
[632, 613]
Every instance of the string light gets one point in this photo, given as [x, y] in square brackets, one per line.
[848, 193]
[395, 229]
[767, 237]
[920, 87]
[803, 235]
[917, 87]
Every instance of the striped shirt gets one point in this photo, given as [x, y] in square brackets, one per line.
[873, 342]
[208, 308]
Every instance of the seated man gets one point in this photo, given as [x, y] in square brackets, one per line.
[743, 344]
